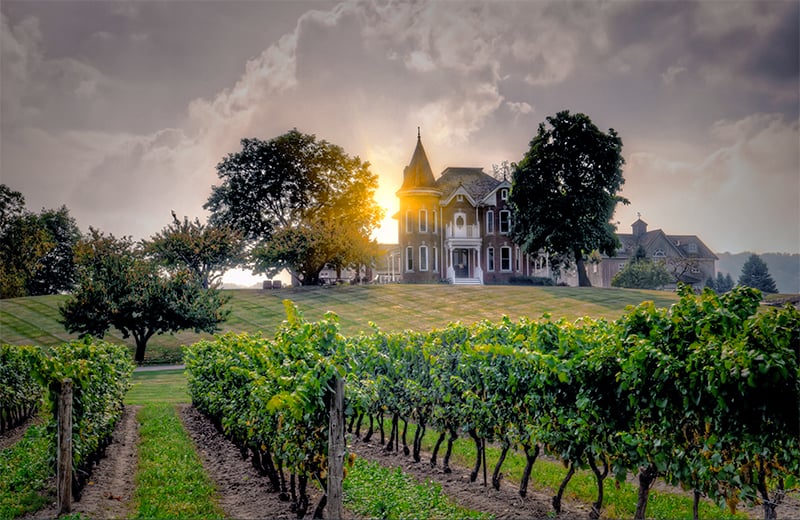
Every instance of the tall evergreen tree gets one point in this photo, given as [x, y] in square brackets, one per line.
[755, 274]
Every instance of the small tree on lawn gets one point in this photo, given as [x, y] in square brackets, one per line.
[755, 274]
[118, 287]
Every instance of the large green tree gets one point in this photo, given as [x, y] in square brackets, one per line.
[564, 191]
[206, 250]
[35, 250]
[755, 274]
[118, 287]
[299, 201]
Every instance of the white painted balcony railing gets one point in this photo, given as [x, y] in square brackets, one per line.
[465, 231]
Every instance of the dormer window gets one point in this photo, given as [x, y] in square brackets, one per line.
[460, 198]
[692, 248]
[659, 253]
[504, 194]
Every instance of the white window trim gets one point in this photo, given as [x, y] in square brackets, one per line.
[490, 222]
[508, 222]
[504, 194]
[409, 259]
[423, 221]
[502, 269]
[490, 259]
[423, 255]
[435, 258]
[409, 221]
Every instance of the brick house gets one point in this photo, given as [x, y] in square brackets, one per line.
[456, 228]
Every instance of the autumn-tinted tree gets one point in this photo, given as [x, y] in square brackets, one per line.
[755, 274]
[118, 287]
[206, 250]
[564, 191]
[297, 200]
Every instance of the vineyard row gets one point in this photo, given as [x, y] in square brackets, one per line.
[705, 394]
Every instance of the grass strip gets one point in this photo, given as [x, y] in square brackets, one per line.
[24, 471]
[170, 480]
[158, 386]
[374, 491]
[619, 501]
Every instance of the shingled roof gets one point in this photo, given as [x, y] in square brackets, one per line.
[477, 183]
[418, 173]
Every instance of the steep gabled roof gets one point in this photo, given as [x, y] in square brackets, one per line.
[418, 173]
[477, 183]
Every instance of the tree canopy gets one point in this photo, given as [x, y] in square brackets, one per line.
[642, 273]
[564, 191]
[35, 250]
[755, 274]
[117, 287]
[206, 250]
[301, 203]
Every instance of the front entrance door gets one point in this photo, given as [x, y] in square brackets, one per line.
[461, 262]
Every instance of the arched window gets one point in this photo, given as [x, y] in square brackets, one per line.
[423, 221]
[505, 258]
[409, 221]
[490, 259]
[409, 258]
[490, 222]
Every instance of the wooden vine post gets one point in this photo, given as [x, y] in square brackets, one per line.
[336, 447]
[64, 470]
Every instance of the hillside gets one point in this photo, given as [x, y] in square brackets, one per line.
[34, 320]
[784, 268]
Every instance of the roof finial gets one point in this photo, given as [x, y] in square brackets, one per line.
[639, 214]
[418, 136]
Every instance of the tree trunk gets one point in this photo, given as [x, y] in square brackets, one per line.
[599, 477]
[562, 488]
[141, 345]
[446, 461]
[646, 478]
[496, 475]
[436, 447]
[479, 452]
[526, 473]
[580, 266]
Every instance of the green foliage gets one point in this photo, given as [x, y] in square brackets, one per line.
[25, 469]
[272, 396]
[100, 373]
[644, 274]
[303, 202]
[721, 284]
[207, 251]
[755, 274]
[35, 250]
[564, 191]
[20, 393]
[118, 288]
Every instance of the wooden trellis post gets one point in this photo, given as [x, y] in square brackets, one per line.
[336, 447]
[64, 471]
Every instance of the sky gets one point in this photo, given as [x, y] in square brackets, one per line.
[121, 109]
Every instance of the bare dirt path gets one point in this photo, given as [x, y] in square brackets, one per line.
[111, 485]
[243, 493]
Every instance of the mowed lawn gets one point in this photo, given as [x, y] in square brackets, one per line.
[34, 320]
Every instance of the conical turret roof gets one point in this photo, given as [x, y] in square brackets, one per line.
[418, 173]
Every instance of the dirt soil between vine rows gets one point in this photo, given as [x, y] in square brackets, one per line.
[245, 494]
